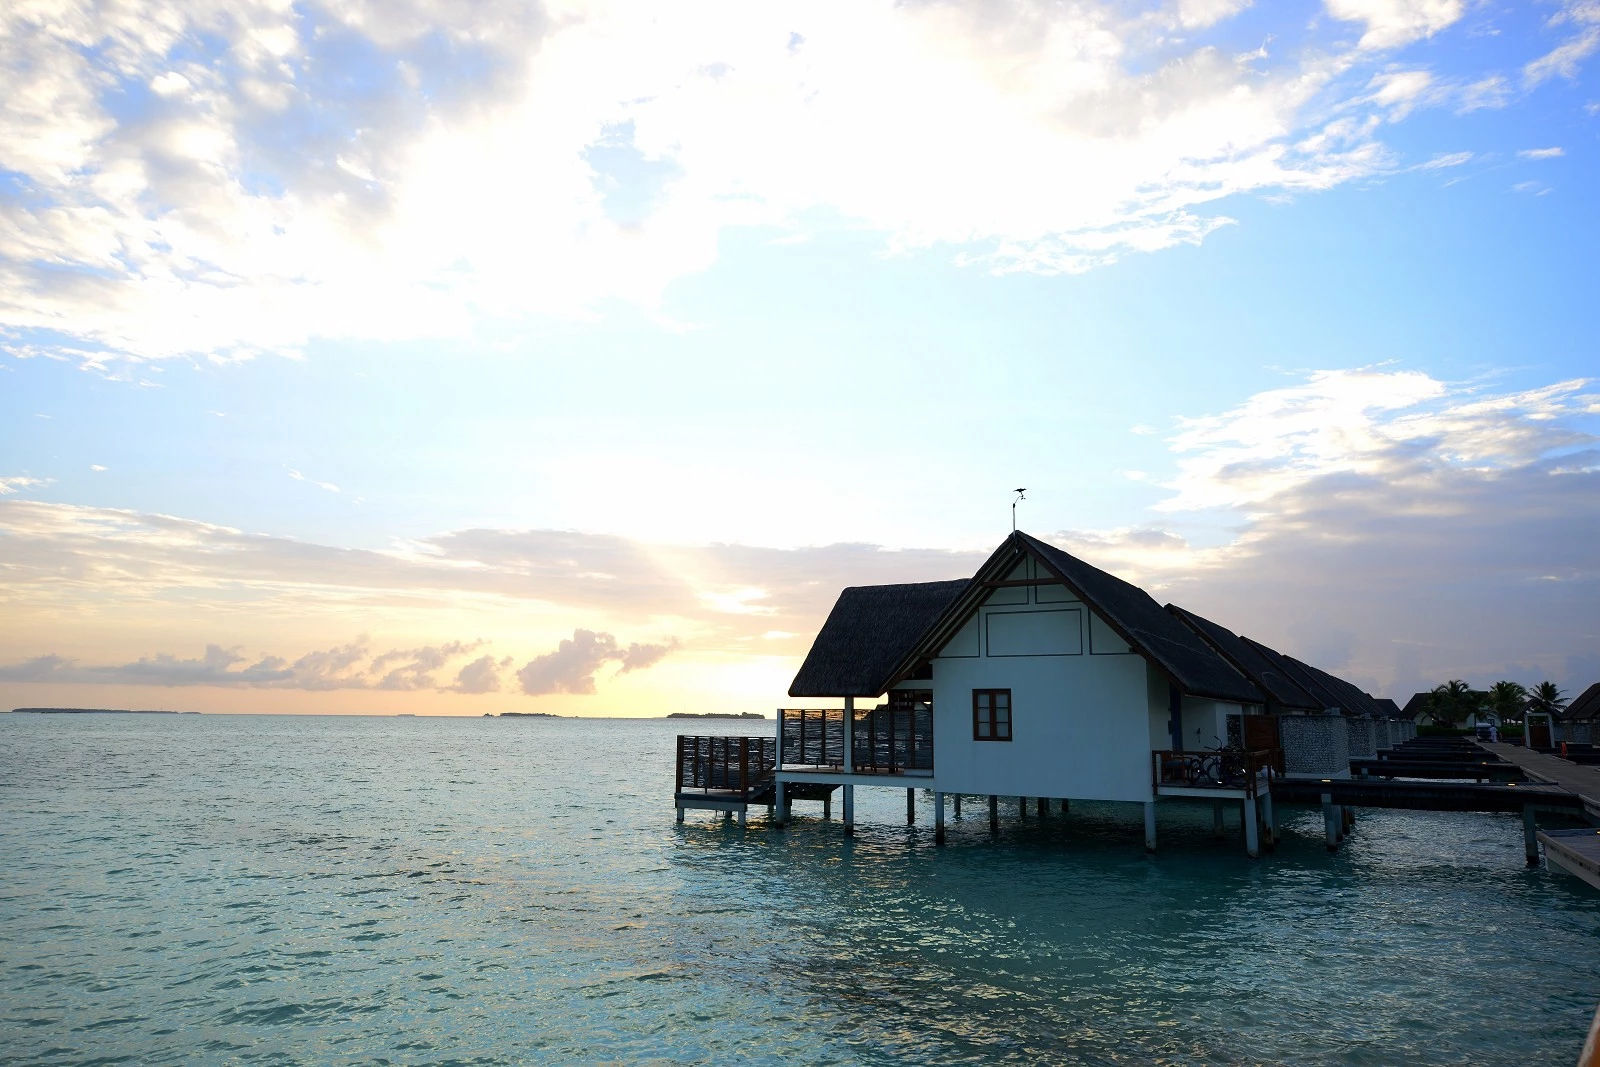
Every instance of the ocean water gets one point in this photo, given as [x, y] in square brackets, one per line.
[306, 890]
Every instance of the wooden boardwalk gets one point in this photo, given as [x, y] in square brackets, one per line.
[1585, 781]
[1574, 851]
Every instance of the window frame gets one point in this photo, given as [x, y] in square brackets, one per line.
[990, 716]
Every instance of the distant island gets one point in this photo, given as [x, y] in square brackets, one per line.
[96, 711]
[716, 715]
[527, 715]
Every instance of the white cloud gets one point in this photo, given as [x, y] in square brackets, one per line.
[1392, 23]
[325, 486]
[1542, 153]
[17, 482]
[1566, 59]
[1453, 159]
[505, 161]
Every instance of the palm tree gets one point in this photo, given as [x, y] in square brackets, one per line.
[1546, 698]
[1451, 702]
[1506, 700]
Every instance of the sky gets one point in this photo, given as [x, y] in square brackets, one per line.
[412, 357]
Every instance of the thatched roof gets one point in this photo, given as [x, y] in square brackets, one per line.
[1585, 707]
[1349, 697]
[1418, 705]
[1387, 708]
[1188, 662]
[1248, 659]
[867, 633]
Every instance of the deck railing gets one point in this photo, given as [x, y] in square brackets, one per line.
[887, 740]
[737, 765]
[1228, 768]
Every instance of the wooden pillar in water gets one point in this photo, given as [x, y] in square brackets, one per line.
[827, 807]
[1330, 821]
[1150, 826]
[911, 807]
[680, 814]
[849, 810]
[1216, 818]
[1065, 804]
[1269, 819]
[1044, 807]
[938, 817]
[780, 805]
[994, 814]
[1530, 836]
[957, 798]
[1252, 842]
[1022, 807]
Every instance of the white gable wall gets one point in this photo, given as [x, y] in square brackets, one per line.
[1079, 700]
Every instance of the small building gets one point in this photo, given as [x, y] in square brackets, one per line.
[1038, 678]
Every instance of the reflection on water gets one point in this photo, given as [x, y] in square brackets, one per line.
[503, 890]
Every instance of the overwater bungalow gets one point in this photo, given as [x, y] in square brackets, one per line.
[1038, 677]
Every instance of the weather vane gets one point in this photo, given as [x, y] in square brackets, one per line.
[1019, 493]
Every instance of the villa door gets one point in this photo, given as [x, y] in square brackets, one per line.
[1538, 733]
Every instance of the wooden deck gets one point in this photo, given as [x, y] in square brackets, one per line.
[1583, 780]
[1574, 851]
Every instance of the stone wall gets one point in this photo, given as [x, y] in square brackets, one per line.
[1382, 733]
[1363, 738]
[1315, 746]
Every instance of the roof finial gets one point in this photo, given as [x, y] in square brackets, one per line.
[1019, 493]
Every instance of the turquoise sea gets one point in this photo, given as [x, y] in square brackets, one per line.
[266, 889]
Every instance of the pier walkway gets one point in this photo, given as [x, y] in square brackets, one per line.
[1583, 780]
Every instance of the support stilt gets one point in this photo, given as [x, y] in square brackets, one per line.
[1269, 818]
[1252, 842]
[938, 818]
[743, 815]
[1065, 804]
[849, 810]
[957, 798]
[1022, 807]
[780, 805]
[1149, 826]
[1330, 822]
[1216, 818]
[1044, 807]
[1530, 836]
[911, 807]
[994, 814]
[680, 814]
[827, 807]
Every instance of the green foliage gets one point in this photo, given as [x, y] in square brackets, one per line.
[1507, 700]
[1546, 698]
[1453, 702]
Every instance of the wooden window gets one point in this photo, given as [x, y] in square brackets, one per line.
[991, 714]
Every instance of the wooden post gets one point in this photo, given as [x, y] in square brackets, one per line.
[1044, 807]
[1149, 826]
[742, 818]
[1216, 818]
[1269, 818]
[1330, 822]
[1252, 843]
[911, 807]
[780, 805]
[957, 798]
[849, 735]
[849, 810]
[1530, 835]
[680, 814]
[938, 817]
[827, 807]
[1064, 805]
[994, 814]
[1022, 807]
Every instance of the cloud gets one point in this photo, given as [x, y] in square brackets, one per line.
[482, 675]
[192, 181]
[1393, 23]
[1566, 59]
[327, 486]
[571, 667]
[18, 482]
[1542, 153]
